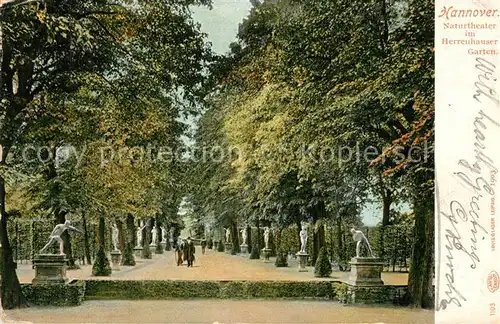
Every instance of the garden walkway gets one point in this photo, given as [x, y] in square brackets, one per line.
[212, 266]
[218, 311]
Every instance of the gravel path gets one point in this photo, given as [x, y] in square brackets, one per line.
[218, 311]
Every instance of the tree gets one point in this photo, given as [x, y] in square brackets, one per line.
[323, 266]
[101, 265]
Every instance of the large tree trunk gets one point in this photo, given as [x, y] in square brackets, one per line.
[249, 237]
[386, 209]
[121, 235]
[340, 246]
[146, 240]
[86, 239]
[101, 265]
[159, 247]
[11, 294]
[128, 253]
[235, 237]
[421, 265]
[319, 240]
[258, 236]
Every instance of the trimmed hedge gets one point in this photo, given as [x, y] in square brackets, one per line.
[167, 289]
[323, 268]
[281, 259]
[55, 295]
[150, 289]
[74, 293]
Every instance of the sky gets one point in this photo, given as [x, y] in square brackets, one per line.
[221, 25]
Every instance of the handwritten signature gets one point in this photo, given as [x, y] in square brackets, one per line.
[471, 177]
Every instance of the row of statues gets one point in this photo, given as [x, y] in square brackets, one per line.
[55, 237]
[357, 236]
[154, 234]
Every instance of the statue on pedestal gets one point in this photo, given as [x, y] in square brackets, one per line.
[164, 235]
[55, 236]
[303, 239]
[266, 237]
[228, 234]
[154, 233]
[359, 237]
[139, 233]
[244, 235]
[115, 236]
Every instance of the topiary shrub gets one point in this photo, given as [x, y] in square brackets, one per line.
[128, 258]
[159, 248]
[146, 252]
[220, 247]
[323, 267]
[255, 253]
[281, 259]
[101, 265]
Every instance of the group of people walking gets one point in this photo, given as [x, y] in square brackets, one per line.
[185, 251]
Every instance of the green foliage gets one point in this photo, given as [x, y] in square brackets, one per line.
[71, 294]
[169, 289]
[255, 252]
[323, 267]
[281, 259]
[128, 258]
[220, 246]
[210, 243]
[101, 266]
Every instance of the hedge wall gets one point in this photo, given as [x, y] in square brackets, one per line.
[152, 289]
[71, 294]
[392, 243]
[29, 236]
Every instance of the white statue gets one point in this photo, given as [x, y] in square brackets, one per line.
[154, 232]
[55, 236]
[266, 237]
[244, 235]
[115, 236]
[164, 234]
[303, 239]
[139, 233]
[359, 237]
[228, 234]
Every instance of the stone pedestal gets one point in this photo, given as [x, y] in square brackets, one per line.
[366, 272]
[116, 258]
[229, 247]
[244, 248]
[152, 248]
[163, 246]
[267, 253]
[302, 261]
[137, 251]
[50, 269]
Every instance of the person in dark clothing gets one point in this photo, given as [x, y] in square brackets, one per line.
[189, 252]
[203, 245]
[178, 251]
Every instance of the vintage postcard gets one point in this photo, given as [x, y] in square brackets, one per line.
[249, 161]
